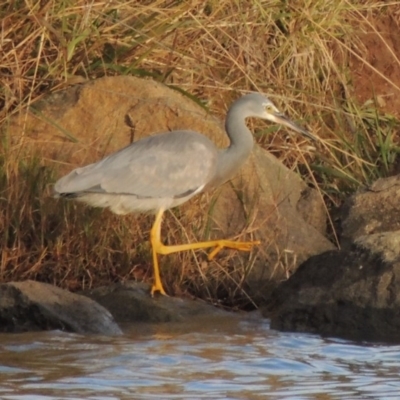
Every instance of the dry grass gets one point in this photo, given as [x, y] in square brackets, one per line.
[297, 51]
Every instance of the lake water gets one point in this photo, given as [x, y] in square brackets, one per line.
[219, 358]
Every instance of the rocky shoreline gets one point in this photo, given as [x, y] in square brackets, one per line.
[353, 291]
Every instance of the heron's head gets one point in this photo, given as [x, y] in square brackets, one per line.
[261, 106]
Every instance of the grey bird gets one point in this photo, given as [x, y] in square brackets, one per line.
[165, 170]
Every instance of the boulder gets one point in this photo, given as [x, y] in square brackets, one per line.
[34, 306]
[130, 303]
[354, 292]
[265, 201]
[372, 210]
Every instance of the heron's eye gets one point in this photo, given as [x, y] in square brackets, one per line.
[269, 109]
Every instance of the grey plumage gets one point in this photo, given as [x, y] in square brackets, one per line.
[145, 175]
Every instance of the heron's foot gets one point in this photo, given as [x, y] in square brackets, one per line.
[230, 244]
[157, 288]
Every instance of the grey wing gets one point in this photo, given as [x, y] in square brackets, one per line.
[169, 165]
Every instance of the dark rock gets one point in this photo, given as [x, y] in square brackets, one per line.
[33, 306]
[351, 294]
[18, 314]
[131, 302]
[354, 292]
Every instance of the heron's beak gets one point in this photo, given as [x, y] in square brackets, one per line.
[282, 119]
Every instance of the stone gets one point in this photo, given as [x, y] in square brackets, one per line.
[350, 293]
[130, 303]
[372, 210]
[353, 292]
[35, 306]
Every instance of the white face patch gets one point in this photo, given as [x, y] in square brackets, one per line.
[273, 118]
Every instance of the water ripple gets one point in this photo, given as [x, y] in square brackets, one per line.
[228, 358]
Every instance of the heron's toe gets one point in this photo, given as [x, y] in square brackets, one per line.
[247, 246]
[157, 289]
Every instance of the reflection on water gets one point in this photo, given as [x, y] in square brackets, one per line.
[220, 358]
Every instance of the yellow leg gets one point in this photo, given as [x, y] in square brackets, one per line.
[159, 248]
[155, 240]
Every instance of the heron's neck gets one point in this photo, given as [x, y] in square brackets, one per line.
[241, 143]
[237, 131]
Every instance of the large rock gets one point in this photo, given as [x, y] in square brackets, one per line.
[266, 200]
[34, 306]
[130, 303]
[354, 292]
[372, 210]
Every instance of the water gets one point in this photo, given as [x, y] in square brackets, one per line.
[218, 358]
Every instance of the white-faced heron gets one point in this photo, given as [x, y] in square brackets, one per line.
[165, 170]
